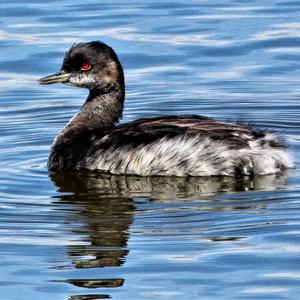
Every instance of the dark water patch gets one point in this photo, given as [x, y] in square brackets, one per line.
[146, 61]
[89, 297]
[16, 12]
[89, 19]
[275, 71]
[95, 283]
[279, 11]
[170, 5]
[288, 3]
[26, 65]
[28, 2]
[237, 50]
[288, 57]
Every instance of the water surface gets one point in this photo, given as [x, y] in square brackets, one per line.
[86, 236]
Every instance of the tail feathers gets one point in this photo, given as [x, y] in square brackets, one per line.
[265, 156]
[269, 141]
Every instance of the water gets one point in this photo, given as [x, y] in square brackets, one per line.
[89, 236]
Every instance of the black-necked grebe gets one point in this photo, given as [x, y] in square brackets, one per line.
[186, 145]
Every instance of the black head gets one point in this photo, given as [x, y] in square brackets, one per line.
[92, 65]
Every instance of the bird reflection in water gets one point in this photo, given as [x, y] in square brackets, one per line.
[103, 207]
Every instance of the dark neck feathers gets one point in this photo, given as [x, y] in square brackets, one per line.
[102, 110]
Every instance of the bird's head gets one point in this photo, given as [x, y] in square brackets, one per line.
[92, 65]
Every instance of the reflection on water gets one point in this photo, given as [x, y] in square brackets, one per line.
[89, 297]
[105, 206]
[89, 187]
[105, 215]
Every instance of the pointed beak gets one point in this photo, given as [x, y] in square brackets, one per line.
[55, 78]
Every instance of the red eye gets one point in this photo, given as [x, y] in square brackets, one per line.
[85, 67]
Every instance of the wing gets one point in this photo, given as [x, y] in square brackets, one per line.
[149, 130]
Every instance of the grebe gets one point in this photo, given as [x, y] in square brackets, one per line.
[187, 145]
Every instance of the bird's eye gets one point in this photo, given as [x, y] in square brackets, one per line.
[86, 67]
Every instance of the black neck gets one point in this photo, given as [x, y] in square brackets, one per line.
[102, 110]
[103, 107]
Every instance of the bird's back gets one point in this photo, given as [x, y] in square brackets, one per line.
[175, 145]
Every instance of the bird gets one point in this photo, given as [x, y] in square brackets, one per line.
[173, 145]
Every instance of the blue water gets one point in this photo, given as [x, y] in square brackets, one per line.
[82, 236]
